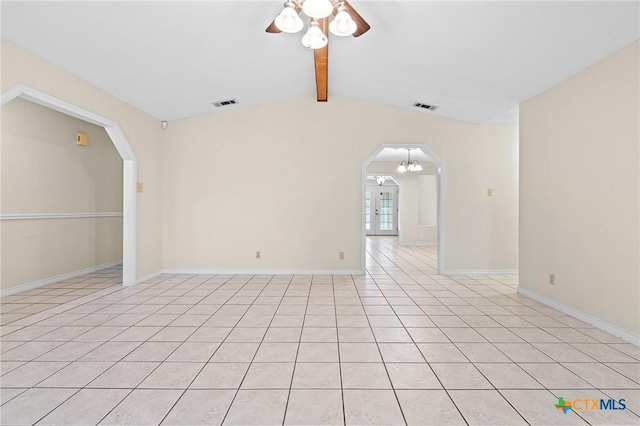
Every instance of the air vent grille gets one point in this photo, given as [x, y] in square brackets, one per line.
[226, 102]
[425, 106]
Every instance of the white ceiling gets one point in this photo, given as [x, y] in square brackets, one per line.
[476, 60]
[399, 154]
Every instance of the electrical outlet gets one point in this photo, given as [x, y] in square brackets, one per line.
[552, 279]
[258, 255]
[341, 255]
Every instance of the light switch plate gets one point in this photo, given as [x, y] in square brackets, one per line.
[140, 187]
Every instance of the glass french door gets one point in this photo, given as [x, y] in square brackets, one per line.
[381, 210]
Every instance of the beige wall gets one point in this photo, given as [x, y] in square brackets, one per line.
[579, 191]
[271, 178]
[142, 131]
[285, 178]
[44, 171]
[409, 232]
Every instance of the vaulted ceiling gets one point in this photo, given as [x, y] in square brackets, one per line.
[476, 60]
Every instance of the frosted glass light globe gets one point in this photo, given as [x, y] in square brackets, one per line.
[343, 25]
[314, 38]
[317, 8]
[288, 21]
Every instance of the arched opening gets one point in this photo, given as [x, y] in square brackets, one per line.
[440, 186]
[129, 167]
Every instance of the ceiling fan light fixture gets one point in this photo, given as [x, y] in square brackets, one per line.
[317, 8]
[402, 167]
[380, 180]
[314, 37]
[417, 167]
[343, 24]
[288, 20]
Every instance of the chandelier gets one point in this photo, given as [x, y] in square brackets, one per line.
[409, 166]
[342, 24]
[380, 180]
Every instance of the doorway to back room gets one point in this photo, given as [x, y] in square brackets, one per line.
[403, 197]
[127, 211]
[61, 200]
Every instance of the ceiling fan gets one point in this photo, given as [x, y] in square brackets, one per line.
[346, 21]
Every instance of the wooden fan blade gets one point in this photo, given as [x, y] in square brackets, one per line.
[363, 26]
[273, 29]
[321, 60]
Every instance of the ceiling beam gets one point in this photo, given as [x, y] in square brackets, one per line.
[321, 59]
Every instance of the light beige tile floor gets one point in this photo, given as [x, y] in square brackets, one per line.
[399, 345]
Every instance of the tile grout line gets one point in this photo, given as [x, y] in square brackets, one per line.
[426, 361]
[257, 349]
[409, 275]
[35, 385]
[70, 396]
[160, 362]
[382, 357]
[335, 312]
[471, 363]
[295, 361]
[223, 341]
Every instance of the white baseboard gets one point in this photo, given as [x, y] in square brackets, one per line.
[46, 281]
[40, 216]
[259, 272]
[589, 319]
[480, 272]
[418, 244]
[149, 276]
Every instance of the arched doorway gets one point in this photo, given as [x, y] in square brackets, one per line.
[129, 167]
[440, 183]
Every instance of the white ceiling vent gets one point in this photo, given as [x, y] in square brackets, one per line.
[226, 102]
[425, 106]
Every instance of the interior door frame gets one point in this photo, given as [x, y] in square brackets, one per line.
[441, 185]
[395, 231]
